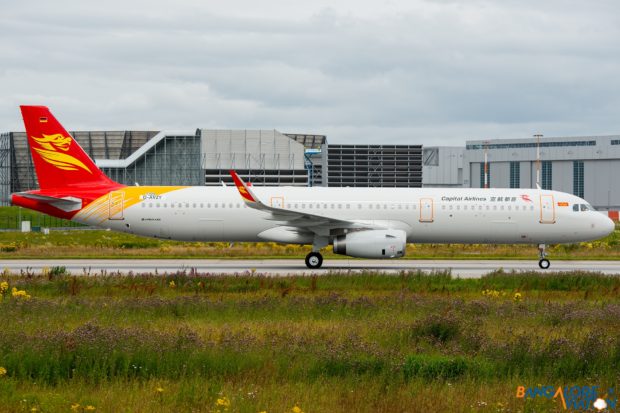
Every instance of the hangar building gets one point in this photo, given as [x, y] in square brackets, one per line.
[204, 157]
[585, 166]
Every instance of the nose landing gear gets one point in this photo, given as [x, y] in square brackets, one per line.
[542, 254]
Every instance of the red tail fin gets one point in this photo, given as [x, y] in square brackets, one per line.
[59, 160]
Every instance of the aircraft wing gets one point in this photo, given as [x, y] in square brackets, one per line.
[318, 224]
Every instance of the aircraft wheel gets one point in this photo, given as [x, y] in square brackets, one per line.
[544, 263]
[314, 260]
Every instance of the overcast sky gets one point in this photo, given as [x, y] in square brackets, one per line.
[434, 72]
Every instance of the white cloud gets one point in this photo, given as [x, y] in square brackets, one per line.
[360, 71]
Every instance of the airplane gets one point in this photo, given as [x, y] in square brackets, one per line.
[357, 222]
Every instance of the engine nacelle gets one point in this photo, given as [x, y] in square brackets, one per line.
[376, 243]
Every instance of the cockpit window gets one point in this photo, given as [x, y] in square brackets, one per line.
[583, 207]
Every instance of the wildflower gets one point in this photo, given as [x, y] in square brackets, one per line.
[159, 390]
[75, 407]
[2, 371]
[223, 402]
[34, 409]
[172, 284]
[517, 297]
[4, 286]
[90, 408]
[20, 294]
[297, 409]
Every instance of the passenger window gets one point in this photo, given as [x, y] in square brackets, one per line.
[359, 206]
[158, 205]
[143, 205]
[369, 206]
[339, 206]
[202, 205]
[494, 207]
[209, 205]
[348, 206]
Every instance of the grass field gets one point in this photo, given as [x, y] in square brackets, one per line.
[333, 343]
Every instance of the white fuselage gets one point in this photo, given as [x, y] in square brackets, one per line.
[427, 215]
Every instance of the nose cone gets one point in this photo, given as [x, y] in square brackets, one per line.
[606, 226]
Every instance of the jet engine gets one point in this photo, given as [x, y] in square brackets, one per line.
[377, 243]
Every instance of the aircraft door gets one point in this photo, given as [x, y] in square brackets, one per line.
[427, 213]
[547, 209]
[277, 202]
[115, 205]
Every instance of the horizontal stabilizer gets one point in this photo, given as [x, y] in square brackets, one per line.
[67, 203]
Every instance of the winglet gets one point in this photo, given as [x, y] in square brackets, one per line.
[245, 192]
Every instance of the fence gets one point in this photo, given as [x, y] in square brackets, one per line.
[37, 221]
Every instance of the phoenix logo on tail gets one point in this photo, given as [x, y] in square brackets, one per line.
[50, 145]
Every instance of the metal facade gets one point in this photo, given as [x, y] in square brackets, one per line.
[264, 157]
[442, 166]
[374, 165]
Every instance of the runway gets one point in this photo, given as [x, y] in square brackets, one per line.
[463, 269]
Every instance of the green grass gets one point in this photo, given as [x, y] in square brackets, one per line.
[367, 342]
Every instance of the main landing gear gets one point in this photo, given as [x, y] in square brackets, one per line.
[544, 262]
[314, 260]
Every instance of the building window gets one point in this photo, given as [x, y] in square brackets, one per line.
[488, 181]
[515, 174]
[578, 178]
[530, 145]
[547, 175]
[615, 141]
